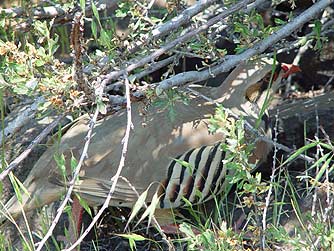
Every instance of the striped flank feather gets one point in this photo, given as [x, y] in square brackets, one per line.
[203, 174]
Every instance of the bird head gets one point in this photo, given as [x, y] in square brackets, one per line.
[251, 83]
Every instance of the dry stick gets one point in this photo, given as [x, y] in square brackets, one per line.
[272, 177]
[149, 69]
[177, 42]
[115, 178]
[173, 24]
[31, 146]
[59, 15]
[319, 150]
[71, 183]
[197, 76]
[325, 216]
[327, 173]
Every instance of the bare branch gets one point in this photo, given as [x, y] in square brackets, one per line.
[31, 146]
[175, 43]
[115, 178]
[154, 66]
[197, 76]
[173, 24]
[272, 178]
[71, 183]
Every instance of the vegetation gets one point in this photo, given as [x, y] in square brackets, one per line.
[82, 57]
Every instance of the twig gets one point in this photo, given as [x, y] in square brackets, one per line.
[71, 183]
[175, 43]
[115, 178]
[154, 66]
[325, 216]
[173, 24]
[327, 171]
[31, 146]
[272, 177]
[197, 76]
[77, 45]
[319, 151]
[38, 12]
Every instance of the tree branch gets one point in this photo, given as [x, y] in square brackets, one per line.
[115, 178]
[197, 76]
[177, 42]
[31, 146]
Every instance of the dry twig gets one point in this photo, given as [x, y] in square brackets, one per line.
[31, 146]
[197, 76]
[115, 178]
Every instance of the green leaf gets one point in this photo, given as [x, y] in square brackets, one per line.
[39, 62]
[327, 146]
[149, 210]
[68, 209]
[321, 171]
[18, 187]
[132, 239]
[154, 204]
[101, 107]
[84, 204]
[41, 52]
[135, 237]
[93, 28]
[186, 229]
[21, 89]
[105, 39]
[185, 164]
[319, 161]
[138, 205]
[95, 12]
[60, 161]
[74, 163]
[54, 45]
[83, 5]
[300, 151]
[279, 21]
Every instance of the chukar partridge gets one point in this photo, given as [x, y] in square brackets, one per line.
[154, 144]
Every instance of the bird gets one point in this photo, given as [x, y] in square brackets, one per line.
[155, 144]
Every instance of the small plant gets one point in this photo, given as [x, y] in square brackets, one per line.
[219, 239]
[168, 101]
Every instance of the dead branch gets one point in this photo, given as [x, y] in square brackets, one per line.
[197, 76]
[173, 24]
[31, 146]
[115, 178]
[175, 43]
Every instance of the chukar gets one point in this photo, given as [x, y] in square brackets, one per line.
[154, 144]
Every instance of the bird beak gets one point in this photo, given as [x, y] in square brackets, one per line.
[290, 69]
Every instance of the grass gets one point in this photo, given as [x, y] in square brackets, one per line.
[300, 205]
